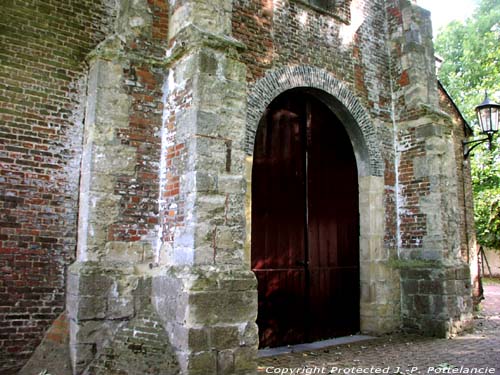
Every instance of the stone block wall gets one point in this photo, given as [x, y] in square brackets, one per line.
[210, 317]
[42, 78]
[468, 245]
[436, 299]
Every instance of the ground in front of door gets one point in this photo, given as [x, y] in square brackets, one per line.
[474, 353]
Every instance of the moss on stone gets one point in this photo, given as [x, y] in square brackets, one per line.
[413, 263]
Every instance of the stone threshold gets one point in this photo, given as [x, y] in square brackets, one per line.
[270, 352]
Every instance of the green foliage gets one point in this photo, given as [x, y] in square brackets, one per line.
[486, 187]
[471, 53]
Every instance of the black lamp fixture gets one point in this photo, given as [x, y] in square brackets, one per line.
[488, 113]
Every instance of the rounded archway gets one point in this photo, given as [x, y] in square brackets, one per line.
[305, 223]
[379, 301]
[335, 94]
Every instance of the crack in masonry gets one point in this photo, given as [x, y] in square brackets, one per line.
[214, 242]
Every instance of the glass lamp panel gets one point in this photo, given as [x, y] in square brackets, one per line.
[494, 119]
[485, 120]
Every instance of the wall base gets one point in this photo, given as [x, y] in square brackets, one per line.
[436, 300]
[209, 314]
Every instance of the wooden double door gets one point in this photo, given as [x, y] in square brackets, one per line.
[305, 223]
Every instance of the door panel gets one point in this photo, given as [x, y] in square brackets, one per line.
[332, 226]
[304, 223]
[281, 318]
[278, 224]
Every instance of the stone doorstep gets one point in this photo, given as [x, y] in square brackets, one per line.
[262, 353]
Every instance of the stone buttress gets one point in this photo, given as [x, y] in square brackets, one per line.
[435, 280]
[185, 287]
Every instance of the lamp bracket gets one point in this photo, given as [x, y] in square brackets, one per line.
[475, 143]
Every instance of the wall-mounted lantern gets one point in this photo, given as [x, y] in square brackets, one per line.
[488, 116]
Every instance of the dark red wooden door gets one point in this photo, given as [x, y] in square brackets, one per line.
[304, 224]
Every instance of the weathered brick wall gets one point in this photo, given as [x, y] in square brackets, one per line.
[280, 33]
[464, 184]
[142, 81]
[42, 47]
[415, 104]
[465, 209]
[351, 45]
[43, 79]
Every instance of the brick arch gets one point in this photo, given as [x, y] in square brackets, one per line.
[333, 93]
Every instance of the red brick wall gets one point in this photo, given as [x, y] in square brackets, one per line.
[291, 33]
[42, 46]
[143, 82]
[42, 90]
[138, 216]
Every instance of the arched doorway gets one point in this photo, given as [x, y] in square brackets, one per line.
[305, 223]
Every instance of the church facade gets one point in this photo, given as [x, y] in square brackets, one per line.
[184, 181]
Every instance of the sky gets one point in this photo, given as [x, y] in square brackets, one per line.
[445, 11]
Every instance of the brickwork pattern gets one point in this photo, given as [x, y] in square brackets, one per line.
[287, 33]
[41, 74]
[138, 216]
[164, 147]
[281, 34]
[278, 81]
[41, 106]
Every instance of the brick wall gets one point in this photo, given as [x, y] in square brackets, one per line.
[464, 185]
[351, 45]
[283, 33]
[42, 46]
[142, 82]
[42, 95]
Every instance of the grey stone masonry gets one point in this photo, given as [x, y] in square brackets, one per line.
[417, 55]
[203, 290]
[436, 300]
[210, 315]
[139, 347]
[436, 292]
